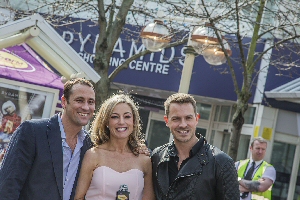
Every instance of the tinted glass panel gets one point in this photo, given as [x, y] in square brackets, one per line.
[212, 137]
[282, 159]
[144, 115]
[217, 113]
[224, 114]
[225, 142]
[204, 110]
[297, 189]
[249, 115]
[158, 134]
[243, 147]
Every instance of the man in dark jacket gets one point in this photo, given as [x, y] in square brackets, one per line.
[44, 156]
[188, 167]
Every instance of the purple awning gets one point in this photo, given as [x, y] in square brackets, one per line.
[21, 63]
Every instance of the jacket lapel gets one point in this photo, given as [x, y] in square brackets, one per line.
[55, 146]
[87, 144]
[162, 171]
[195, 164]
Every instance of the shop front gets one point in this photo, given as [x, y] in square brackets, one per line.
[152, 78]
[28, 89]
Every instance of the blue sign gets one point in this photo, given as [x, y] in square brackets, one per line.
[159, 70]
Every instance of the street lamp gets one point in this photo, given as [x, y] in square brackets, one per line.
[214, 54]
[203, 37]
[203, 40]
[155, 36]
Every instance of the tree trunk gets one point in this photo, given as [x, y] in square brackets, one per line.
[101, 66]
[237, 125]
[102, 90]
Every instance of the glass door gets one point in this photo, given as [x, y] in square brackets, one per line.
[296, 195]
[282, 159]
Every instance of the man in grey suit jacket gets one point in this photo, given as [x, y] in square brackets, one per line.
[44, 156]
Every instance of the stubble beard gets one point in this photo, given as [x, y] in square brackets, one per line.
[183, 140]
[76, 119]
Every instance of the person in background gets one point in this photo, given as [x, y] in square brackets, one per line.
[44, 156]
[113, 168]
[188, 167]
[256, 176]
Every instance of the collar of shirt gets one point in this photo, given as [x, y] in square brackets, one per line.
[257, 163]
[70, 160]
[81, 134]
[172, 151]
[174, 159]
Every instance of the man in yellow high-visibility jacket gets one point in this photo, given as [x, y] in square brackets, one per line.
[257, 184]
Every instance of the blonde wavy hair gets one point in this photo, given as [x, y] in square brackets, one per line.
[100, 133]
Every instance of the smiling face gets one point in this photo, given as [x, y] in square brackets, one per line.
[80, 106]
[182, 122]
[121, 120]
[118, 118]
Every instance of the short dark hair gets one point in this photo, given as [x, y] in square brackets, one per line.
[70, 83]
[259, 139]
[180, 98]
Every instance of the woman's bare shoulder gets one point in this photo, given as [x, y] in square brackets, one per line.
[144, 161]
[94, 156]
[94, 152]
[144, 157]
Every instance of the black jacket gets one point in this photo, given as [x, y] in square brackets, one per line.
[208, 175]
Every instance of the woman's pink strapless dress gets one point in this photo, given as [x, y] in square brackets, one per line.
[106, 182]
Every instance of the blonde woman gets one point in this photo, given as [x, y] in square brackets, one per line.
[113, 168]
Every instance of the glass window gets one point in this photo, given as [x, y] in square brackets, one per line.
[204, 110]
[282, 159]
[297, 189]
[243, 147]
[211, 141]
[224, 114]
[26, 102]
[216, 117]
[144, 114]
[249, 115]
[225, 142]
[158, 134]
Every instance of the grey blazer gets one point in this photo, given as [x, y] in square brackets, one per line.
[32, 168]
